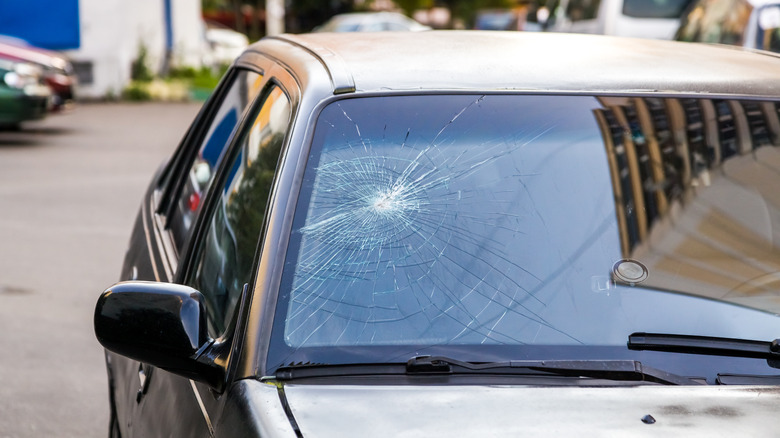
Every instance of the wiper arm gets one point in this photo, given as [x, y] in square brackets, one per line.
[599, 369]
[615, 370]
[705, 345]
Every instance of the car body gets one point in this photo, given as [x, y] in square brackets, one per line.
[23, 94]
[370, 22]
[656, 19]
[754, 24]
[57, 69]
[398, 241]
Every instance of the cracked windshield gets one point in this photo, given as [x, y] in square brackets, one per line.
[440, 221]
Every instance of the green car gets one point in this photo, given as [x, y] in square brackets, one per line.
[23, 96]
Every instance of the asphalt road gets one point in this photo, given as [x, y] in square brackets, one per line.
[70, 186]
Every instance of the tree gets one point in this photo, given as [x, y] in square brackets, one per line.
[409, 6]
[304, 15]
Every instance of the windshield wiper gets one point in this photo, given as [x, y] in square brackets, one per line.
[619, 370]
[706, 345]
[614, 370]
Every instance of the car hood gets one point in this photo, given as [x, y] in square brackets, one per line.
[410, 411]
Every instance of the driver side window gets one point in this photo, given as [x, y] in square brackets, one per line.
[210, 154]
[224, 257]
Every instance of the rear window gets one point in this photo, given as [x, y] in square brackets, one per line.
[655, 8]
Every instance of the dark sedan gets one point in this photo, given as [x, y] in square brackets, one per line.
[460, 234]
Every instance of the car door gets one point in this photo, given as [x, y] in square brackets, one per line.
[221, 261]
[164, 223]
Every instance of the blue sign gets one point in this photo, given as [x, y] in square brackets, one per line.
[50, 24]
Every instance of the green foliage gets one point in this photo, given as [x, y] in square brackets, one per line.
[409, 6]
[137, 92]
[210, 5]
[203, 77]
[248, 204]
[146, 86]
[187, 72]
[139, 70]
[207, 78]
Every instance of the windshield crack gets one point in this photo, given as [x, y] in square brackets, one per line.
[416, 234]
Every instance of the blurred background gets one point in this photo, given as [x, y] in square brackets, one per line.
[77, 149]
[178, 49]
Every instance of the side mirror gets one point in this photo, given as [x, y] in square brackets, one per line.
[162, 324]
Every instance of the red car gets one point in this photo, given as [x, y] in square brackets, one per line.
[58, 72]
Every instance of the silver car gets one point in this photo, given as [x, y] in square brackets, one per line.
[371, 22]
[460, 234]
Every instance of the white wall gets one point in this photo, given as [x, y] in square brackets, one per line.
[112, 32]
[189, 40]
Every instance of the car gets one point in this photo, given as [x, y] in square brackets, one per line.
[629, 18]
[57, 69]
[520, 18]
[453, 234]
[370, 22]
[225, 43]
[754, 24]
[23, 94]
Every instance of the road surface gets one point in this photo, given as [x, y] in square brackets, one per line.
[70, 186]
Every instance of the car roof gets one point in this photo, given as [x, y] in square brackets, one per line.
[523, 61]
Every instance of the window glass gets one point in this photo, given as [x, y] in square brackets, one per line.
[243, 90]
[493, 227]
[582, 9]
[394, 26]
[409, 212]
[375, 26]
[224, 259]
[655, 8]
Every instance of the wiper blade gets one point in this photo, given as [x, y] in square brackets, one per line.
[614, 370]
[705, 345]
[310, 370]
[618, 370]
[747, 379]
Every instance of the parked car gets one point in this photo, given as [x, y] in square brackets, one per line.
[57, 69]
[630, 18]
[754, 24]
[370, 22]
[23, 94]
[224, 43]
[520, 18]
[430, 238]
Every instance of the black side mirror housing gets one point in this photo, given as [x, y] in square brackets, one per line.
[161, 324]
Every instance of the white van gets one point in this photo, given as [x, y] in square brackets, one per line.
[632, 18]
